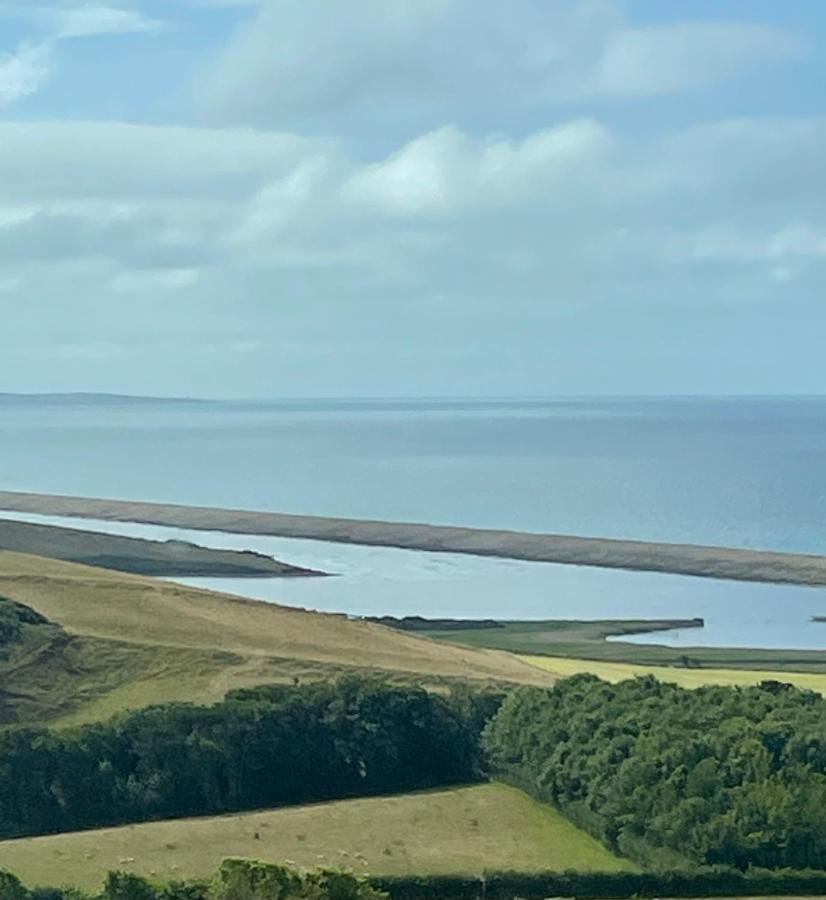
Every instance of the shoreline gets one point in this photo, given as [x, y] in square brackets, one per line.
[141, 556]
[603, 627]
[726, 563]
[603, 641]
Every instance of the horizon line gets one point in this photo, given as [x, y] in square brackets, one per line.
[401, 398]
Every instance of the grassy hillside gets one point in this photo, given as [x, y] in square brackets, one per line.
[562, 667]
[126, 641]
[464, 830]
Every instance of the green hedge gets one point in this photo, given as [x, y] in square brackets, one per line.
[709, 882]
[239, 879]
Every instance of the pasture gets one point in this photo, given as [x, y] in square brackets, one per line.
[564, 667]
[461, 830]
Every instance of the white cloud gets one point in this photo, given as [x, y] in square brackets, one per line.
[141, 199]
[29, 68]
[798, 240]
[78, 18]
[745, 245]
[446, 171]
[16, 215]
[95, 19]
[24, 72]
[88, 161]
[663, 59]
[344, 65]
[575, 199]
[234, 239]
[395, 181]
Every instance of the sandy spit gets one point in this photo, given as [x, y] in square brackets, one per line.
[683, 559]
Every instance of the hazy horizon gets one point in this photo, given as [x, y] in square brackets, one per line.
[402, 398]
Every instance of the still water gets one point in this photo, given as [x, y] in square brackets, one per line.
[746, 472]
[736, 472]
[381, 580]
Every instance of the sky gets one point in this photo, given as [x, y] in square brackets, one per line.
[297, 198]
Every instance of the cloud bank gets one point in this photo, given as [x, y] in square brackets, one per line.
[441, 197]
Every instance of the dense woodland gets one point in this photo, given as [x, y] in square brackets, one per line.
[674, 779]
[260, 747]
[664, 775]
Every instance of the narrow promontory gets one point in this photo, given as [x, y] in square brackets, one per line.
[141, 557]
[683, 559]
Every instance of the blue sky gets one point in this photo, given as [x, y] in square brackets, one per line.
[446, 197]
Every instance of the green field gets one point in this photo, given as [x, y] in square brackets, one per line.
[562, 667]
[587, 640]
[464, 830]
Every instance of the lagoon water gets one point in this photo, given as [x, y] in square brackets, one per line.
[738, 472]
[380, 580]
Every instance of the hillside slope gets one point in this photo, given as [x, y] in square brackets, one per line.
[464, 830]
[129, 640]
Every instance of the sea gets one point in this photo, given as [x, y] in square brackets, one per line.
[739, 472]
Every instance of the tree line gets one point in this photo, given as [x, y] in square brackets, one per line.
[674, 779]
[668, 776]
[246, 879]
[236, 879]
[260, 747]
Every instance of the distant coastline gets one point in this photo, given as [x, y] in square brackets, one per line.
[682, 559]
[93, 399]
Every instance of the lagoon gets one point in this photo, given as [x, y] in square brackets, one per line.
[381, 580]
[741, 472]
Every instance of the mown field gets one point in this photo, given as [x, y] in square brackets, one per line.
[563, 667]
[126, 641]
[463, 830]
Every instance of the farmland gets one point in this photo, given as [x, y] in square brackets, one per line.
[467, 829]
[563, 667]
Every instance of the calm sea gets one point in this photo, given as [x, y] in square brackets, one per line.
[740, 472]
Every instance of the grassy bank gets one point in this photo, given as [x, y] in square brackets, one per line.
[464, 830]
[126, 641]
